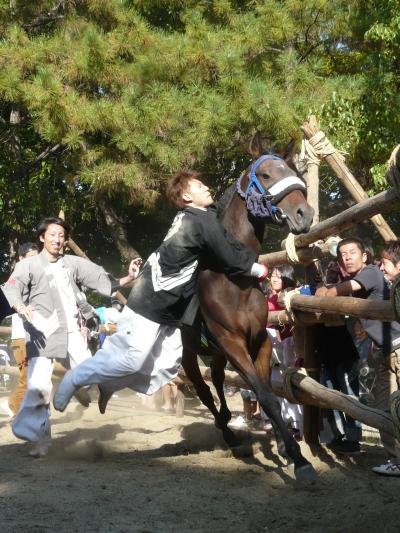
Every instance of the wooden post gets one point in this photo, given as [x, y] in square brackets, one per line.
[311, 414]
[336, 162]
[312, 179]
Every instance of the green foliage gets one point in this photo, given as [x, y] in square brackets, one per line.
[118, 94]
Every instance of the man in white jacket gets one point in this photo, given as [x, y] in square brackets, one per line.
[45, 292]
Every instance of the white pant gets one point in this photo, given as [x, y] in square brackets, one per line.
[291, 412]
[32, 422]
[142, 355]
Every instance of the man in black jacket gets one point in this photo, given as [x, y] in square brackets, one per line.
[146, 352]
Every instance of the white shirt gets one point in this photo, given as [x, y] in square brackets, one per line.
[64, 287]
[17, 327]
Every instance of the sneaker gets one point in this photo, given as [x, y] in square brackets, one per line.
[345, 447]
[388, 469]
[267, 427]
[239, 423]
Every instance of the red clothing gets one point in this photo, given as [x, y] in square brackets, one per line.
[273, 305]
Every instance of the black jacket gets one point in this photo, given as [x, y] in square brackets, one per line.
[167, 281]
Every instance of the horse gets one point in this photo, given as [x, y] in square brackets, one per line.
[234, 310]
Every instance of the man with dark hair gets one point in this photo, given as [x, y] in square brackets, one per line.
[146, 351]
[368, 282]
[46, 222]
[389, 375]
[44, 290]
[27, 249]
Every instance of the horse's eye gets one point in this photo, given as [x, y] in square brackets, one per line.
[265, 176]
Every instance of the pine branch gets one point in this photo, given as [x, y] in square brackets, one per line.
[45, 18]
[48, 151]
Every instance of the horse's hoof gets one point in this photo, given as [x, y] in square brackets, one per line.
[225, 417]
[103, 399]
[230, 438]
[305, 473]
[83, 396]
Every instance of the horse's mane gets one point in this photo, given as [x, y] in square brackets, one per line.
[225, 199]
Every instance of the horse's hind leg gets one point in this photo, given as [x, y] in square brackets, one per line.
[192, 371]
[218, 378]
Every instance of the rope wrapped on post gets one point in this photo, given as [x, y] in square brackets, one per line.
[291, 249]
[288, 386]
[287, 301]
[317, 147]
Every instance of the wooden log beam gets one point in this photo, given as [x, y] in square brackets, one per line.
[304, 318]
[381, 203]
[309, 392]
[337, 164]
[344, 305]
[305, 255]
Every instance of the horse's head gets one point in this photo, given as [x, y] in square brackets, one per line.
[277, 188]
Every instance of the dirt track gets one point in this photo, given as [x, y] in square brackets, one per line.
[133, 470]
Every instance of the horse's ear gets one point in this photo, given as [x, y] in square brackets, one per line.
[255, 147]
[289, 153]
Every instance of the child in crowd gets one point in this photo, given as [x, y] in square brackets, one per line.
[282, 277]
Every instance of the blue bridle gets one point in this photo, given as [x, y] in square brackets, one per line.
[261, 201]
[253, 180]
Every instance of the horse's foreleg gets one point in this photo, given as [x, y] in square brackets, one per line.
[218, 378]
[257, 374]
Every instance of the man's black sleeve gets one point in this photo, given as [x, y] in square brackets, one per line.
[234, 257]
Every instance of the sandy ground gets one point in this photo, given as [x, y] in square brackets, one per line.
[132, 470]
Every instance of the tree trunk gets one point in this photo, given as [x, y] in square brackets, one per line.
[117, 230]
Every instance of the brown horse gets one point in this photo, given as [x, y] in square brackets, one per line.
[234, 310]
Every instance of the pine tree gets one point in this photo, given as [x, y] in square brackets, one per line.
[110, 97]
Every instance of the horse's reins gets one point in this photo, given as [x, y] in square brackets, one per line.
[262, 202]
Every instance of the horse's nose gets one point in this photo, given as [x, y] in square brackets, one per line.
[304, 215]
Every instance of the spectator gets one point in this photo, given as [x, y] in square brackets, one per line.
[45, 293]
[27, 249]
[339, 372]
[368, 282]
[388, 368]
[282, 277]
